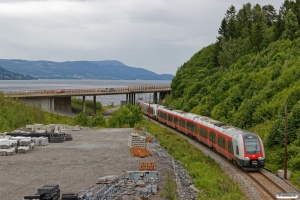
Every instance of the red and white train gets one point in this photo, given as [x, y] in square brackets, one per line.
[242, 147]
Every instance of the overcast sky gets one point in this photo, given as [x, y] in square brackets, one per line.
[158, 35]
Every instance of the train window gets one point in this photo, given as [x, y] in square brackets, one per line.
[170, 118]
[175, 120]
[195, 128]
[252, 145]
[237, 150]
[203, 132]
[212, 137]
[190, 126]
[230, 148]
[221, 142]
[182, 123]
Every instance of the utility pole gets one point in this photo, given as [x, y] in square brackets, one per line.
[285, 143]
[149, 107]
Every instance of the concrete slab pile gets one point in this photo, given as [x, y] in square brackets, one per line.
[12, 145]
[135, 140]
[54, 132]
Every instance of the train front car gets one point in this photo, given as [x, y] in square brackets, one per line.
[252, 154]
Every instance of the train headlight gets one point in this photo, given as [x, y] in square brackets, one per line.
[261, 157]
[246, 158]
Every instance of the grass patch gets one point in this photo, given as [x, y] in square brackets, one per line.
[51, 118]
[208, 176]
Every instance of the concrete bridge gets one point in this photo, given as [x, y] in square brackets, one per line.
[52, 100]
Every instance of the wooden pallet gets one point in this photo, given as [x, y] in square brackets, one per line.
[140, 152]
[147, 166]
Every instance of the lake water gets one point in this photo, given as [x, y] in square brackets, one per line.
[55, 84]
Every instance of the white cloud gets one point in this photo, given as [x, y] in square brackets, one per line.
[157, 35]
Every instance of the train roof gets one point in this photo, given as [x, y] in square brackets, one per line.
[226, 129]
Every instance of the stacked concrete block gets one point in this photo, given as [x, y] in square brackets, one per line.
[56, 129]
[63, 129]
[43, 141]
[36, 127]
[76, 128]
[49, 130]
[4, 144]
[36, 141]
[135, 140]
[7, 152]
[13, 145]
[41, 131]
[23, 149]
[25, 142]
[29, 126]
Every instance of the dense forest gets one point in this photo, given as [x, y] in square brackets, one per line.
[247, 76]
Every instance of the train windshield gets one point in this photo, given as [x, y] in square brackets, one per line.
[252, 145]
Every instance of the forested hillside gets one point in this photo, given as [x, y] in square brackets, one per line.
[247, 76]
[7, 75]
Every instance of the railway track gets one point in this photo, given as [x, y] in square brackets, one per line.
[269, 187]
[264, 185]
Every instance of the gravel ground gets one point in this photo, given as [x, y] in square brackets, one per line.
[74, 165]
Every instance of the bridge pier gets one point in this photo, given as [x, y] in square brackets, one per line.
[83, 104]
[51, 104]
[94, 104]
[162, 95]
[155, 97]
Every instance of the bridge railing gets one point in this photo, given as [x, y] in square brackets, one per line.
[137, 88]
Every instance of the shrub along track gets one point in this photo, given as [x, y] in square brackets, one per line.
[265, 187]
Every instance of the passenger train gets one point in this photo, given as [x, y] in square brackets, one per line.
[240, 146]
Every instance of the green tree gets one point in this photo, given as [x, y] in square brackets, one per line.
[270, 14]
[291, 29]
[127, 115]
[244, 18]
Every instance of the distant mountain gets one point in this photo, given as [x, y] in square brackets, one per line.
[105, 70]
[7, 75]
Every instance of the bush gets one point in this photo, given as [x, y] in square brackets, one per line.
[81, 119]
[170, 188]
[126, 116]
[98, 120]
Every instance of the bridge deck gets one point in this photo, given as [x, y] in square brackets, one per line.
[88, 92]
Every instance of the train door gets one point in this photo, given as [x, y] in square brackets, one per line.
[176, 122]
[212, 138]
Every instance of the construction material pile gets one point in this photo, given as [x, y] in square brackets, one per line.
[11, 145]
[47, 192]
[137, 144]
[55, 133]
[137, 185]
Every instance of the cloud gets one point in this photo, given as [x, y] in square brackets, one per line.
[158, 35]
